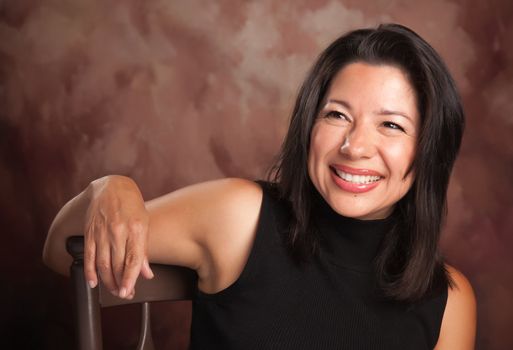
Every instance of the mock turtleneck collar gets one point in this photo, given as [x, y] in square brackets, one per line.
[348, 242]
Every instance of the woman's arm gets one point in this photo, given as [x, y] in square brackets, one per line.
[458, 330]
[208, 227]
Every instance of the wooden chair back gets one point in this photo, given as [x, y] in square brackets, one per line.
[171, 283]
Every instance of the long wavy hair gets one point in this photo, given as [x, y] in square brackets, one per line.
[408, 265]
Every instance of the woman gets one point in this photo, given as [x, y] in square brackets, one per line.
[340, 250]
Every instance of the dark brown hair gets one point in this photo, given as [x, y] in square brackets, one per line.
[408, 265]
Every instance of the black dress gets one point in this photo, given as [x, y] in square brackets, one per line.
[329, 303]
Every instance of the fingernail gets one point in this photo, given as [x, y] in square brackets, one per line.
[91, 284]
[122, 292]
[114, 292]
[146, 262]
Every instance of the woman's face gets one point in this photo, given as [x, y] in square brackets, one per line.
[363, 141]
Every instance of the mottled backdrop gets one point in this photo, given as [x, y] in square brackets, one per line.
[177, 92]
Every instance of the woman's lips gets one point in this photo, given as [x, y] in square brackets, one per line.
[355, 180]
[355, 171]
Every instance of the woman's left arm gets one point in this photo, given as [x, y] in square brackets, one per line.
[458, 330]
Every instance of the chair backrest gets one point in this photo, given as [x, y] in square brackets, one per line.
[170, 283]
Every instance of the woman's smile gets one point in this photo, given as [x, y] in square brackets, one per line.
[355, 180]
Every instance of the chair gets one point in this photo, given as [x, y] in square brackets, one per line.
[171, 283]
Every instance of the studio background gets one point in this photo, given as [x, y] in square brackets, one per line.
[172, 93]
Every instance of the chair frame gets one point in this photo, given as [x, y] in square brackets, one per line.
[171, 283]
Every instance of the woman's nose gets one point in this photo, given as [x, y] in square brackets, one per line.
[358, 143]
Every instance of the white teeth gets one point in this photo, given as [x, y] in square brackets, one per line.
[357, 179]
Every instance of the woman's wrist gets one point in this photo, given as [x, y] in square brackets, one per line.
[117, 183]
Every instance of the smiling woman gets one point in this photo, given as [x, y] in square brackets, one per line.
[340, 249]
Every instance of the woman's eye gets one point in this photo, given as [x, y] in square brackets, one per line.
[336, 115]
[393, 126]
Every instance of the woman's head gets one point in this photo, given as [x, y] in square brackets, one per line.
[363, 140]
[440, 128]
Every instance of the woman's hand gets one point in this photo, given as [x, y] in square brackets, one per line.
[115, 235]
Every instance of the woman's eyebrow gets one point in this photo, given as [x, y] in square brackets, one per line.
[340, 102]
[394, 112]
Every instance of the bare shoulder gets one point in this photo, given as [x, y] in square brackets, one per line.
[224, 202]
[209, 227]
[459, 321]
[232, 208]
[235, 194]
[208, 201]
[189, 227]
[461, 296]
[230, 231]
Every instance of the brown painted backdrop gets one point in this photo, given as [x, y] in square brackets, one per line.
[177, 92]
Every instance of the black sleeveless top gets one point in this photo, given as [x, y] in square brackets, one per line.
[329, 303]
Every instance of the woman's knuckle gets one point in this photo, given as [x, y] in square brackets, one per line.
[96, 224]
[132, 259]
[137, 226]
[104, 265]
[89, 254]
[117, 228]
[117, 267]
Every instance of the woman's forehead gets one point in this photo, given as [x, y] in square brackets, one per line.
[380, 88]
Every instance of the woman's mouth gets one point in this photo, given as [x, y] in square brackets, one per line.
[365, 181]
[356, 179]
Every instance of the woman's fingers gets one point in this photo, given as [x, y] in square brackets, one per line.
[105, 267]
[90, 262]
[106, 275]
[117, 242]
[116, 235]
[131, 295]
[116, 253]
[90, 248]
[146, 270]
[134, 258]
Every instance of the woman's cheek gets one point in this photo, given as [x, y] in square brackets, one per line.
[399, 156]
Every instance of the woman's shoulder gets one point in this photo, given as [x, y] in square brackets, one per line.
[234, 189]
[225, 206]
[204, 215]
[203, 204]
[460, 293]
[459, 320]
[231, 218]
[217, 196]
[240, 195]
